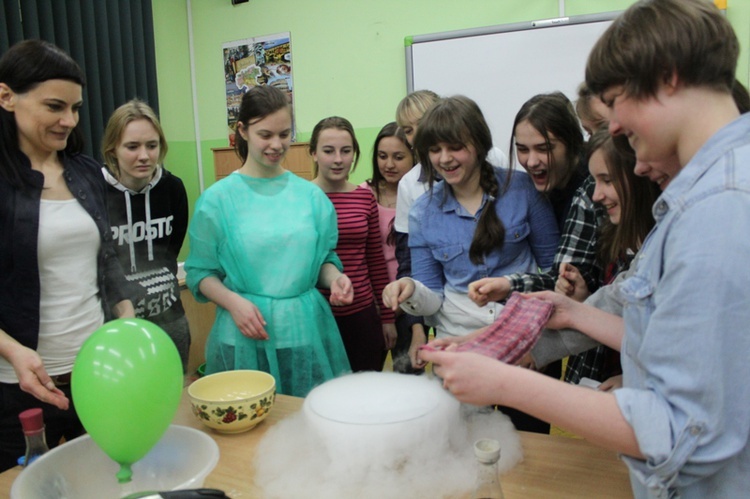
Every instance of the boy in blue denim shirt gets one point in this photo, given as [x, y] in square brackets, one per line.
[665, 69]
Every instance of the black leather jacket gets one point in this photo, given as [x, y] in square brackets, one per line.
[19, 231]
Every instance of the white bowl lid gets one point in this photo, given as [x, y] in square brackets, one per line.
[374, 399]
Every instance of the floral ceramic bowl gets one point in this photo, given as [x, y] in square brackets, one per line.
[233, 401]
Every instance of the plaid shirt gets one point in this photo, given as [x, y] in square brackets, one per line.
[577, 245]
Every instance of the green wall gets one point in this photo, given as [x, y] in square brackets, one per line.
[348, 59]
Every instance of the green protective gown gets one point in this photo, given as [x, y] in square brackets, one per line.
[266, 239]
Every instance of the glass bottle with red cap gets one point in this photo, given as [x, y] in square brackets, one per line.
[32, 422]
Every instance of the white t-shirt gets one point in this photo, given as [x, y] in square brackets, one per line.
[410, 188]
[452, 313]
[70, 308]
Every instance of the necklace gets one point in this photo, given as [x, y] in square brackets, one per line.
[387, 200]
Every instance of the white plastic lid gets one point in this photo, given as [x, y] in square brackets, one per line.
[374, 398]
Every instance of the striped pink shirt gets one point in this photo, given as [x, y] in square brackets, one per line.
[360, 250]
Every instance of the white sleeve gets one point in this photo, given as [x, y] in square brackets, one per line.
[407, 193]
[497, 158]
[423, 301]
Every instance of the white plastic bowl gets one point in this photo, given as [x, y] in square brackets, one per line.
[80, 469]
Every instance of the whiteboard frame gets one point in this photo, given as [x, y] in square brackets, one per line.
[417, 45]
[409, 41]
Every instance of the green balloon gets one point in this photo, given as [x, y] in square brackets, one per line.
[126, 385]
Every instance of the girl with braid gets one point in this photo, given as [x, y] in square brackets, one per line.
[481, 221]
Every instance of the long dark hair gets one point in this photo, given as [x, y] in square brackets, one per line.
[257, 103]
[458, 120]
[637, 196]
[23, 67]
[390, 130]
[552, 113]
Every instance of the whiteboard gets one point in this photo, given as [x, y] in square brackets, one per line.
[501, 67]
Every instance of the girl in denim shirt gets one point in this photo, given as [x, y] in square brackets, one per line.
[480, 222]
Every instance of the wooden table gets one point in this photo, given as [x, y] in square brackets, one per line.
[553, 466]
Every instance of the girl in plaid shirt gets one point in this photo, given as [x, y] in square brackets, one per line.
[628, 222]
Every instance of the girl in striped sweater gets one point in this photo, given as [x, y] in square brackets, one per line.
[367, 327]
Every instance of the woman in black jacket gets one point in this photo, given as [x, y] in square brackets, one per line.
[59, 278]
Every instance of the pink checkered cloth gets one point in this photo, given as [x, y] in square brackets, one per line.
[514, 332]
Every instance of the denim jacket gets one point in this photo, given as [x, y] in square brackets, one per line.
[19, 225]
[440, 235]
[686, 351]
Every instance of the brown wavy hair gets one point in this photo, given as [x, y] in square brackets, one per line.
[553, 113]
[653, 40]
[458, 120]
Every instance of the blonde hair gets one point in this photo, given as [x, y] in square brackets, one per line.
[130, 111]
[584, 110]
[413, 106]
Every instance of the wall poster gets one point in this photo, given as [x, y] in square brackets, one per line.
[262, 60]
